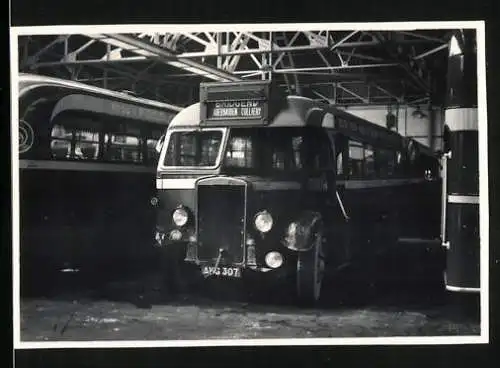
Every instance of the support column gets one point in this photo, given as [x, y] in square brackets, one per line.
[462, 175]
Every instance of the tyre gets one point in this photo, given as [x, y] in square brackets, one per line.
[310, 272]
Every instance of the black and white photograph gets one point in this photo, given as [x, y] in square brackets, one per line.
[249, 184]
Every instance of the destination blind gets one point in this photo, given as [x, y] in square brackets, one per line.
[250, 109]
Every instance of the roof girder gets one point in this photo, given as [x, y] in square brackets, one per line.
[263, 55]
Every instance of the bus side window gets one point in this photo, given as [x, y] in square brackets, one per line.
[240, 153]
[298, 152]
[288, 152]
[86, 145]
[123, 148]
[341, 154]
[369, 160]
[385, 161]
[356, 158]
[60, 143]
[340, 163]
[75, 136]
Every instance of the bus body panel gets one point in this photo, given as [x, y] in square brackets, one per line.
[361, 204]
[84, 194]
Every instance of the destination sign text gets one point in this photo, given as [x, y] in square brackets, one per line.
[236, 109]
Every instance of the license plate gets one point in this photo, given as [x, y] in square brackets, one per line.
[221, 271]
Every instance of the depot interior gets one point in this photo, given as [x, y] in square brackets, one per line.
[392, 78]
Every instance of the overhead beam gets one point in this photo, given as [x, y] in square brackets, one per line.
[130, 59]
[275, 49]
[288, 43]
[197, 39]
[419, 101]
[430, 52]
[323, 97]
[315, 69]
[30, 60]
[339, 43]
[142, 48]
[357, 44]
[132, 75]
[398, 99]
[166, 57]
[416, 79]
[361, 56]
[422, 36]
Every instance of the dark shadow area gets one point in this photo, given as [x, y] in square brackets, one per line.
[396, 294]
[405, 279]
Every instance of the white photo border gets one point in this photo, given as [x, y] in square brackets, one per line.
[479, 26]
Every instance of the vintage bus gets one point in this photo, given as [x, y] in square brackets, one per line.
[87, 160]
[250, 181]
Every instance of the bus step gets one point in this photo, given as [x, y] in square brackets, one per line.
[434, 242]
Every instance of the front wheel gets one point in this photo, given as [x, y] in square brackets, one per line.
[310, 272]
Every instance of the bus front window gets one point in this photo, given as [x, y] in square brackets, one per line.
[264, 150]
[193, 148]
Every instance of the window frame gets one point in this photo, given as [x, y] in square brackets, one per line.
[108, 145]
[70, 140]
[77, 142]
[375, 173]
[360, 145]
[376, 149]
[264, 160]
[393, 154]
[75, 130]
[254, 152]
[166, 144]
[104, 126]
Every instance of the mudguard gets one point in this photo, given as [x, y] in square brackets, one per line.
[299, 232]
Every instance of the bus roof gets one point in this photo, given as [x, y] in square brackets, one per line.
[297, 114]
[30, 81]
[302, 112]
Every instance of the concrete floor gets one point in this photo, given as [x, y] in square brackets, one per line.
[370, 301]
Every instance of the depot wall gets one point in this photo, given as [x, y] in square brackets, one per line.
[409, 125]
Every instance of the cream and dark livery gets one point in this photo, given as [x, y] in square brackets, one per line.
[460, 225]
[87, 164]
[251, 182]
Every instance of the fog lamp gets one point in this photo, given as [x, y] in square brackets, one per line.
[175, 235]
[274, 259]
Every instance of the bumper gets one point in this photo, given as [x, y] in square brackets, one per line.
[188, 252]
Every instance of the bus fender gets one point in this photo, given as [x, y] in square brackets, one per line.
[298, 234]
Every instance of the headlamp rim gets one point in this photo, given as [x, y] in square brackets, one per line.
[263, 213]
[177, 210]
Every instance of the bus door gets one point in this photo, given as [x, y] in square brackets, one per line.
[341, 223]
[320, 169]
[340, 158]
